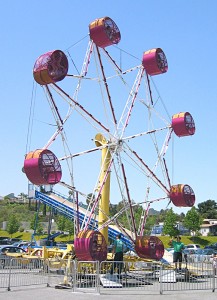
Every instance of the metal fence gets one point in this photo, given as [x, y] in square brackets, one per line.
[16, 272]
[154, 277]
[107, 277]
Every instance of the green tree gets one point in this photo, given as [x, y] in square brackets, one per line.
[40, 229]
[34, 221]
[192, 220]
[181, 217]
[138, 212]
[125, 218]
[112, 209]
[170, 223]
[150, 222]
[69, 226]
[36, 225]
[13, 224]
[162, 215]
[90, 198]
[61, 223]
[208, 209]
[4, 213]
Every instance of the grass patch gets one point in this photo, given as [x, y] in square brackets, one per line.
[26, 236]
[202, 241]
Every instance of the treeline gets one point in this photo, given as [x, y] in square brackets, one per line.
[192, 220]
[36, 213]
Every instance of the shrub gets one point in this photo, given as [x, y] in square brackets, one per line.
[210, 234]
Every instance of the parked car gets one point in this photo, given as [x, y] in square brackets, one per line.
[10, 249]
[5, 252]
[26, 245]
[61, 245]
[192, 246]
[5, 241]
[14, 240]
[198, 255]
[188, 255]
[212, 246]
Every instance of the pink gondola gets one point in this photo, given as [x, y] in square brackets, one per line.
[90, 245]
[182, 195]
[149, 247]
[154, 61]
[183, 124]
[104, 32]
[50, 67]
[42, 167]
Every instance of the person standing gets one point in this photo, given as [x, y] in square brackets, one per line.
[215, 263]
[118, 251]
[177, 255]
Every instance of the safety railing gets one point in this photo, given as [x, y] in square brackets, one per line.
[150, 276]
[17, 272]
[106, 277]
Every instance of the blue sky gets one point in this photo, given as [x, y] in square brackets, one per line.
[185, 30]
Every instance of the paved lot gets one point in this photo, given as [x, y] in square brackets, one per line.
[56, 294]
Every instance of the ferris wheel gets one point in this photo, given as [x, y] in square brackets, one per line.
[113, 112]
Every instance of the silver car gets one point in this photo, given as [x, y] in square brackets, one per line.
[197, 255]
[4, 258]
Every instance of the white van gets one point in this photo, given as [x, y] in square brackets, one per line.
[192, 246]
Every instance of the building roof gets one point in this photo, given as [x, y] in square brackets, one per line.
[209, 221]
[207, 225]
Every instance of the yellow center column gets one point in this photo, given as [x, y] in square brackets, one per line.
[105, 194]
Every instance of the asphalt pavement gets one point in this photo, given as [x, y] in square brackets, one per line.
[49, 293]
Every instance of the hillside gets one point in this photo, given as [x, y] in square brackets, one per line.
[25, 213]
